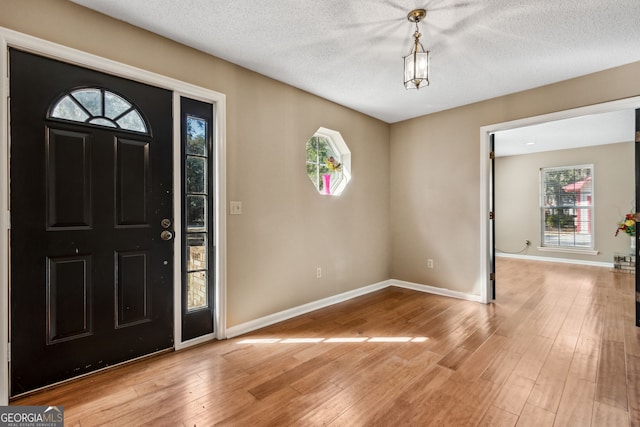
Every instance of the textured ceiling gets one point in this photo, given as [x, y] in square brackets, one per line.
[350, 51]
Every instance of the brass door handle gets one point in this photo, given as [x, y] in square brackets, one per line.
[166, 235]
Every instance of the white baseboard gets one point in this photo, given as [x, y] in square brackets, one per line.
[271, 319]
[435, 290]
[559, 260]
[252, 325]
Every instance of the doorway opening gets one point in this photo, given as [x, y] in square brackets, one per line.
[487, 247]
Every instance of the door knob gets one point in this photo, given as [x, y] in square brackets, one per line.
[166, 235]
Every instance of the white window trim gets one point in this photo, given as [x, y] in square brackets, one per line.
[11, 38]
[567, 250]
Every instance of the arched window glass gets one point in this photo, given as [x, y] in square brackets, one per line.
[99, 107]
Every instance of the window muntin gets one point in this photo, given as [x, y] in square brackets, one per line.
[566, 207]
[99, 107]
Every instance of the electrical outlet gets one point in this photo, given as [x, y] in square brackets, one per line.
[318, 272]
[429, 263]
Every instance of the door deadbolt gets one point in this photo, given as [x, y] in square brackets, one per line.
[166, 235]
[165, 223]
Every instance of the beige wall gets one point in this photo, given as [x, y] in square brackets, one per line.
[517, 192]
[287, 229]
[435, 173]
[368, 234]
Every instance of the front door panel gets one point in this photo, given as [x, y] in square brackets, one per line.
[90, 276]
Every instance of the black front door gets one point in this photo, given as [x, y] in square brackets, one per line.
[91, 183]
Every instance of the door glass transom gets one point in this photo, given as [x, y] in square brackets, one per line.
[99, 107]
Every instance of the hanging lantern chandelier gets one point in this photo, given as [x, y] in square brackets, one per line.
[416, 63]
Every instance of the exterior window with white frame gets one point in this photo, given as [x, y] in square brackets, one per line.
[566, 207]
[328, 162]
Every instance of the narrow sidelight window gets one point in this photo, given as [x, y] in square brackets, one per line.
[198, 209]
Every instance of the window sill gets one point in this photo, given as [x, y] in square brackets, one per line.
[568, 250]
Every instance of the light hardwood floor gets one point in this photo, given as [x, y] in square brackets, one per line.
[559, 347]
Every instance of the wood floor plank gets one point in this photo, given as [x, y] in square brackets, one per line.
[631, 333]
[605, 415]
[427, 385]
[547, 391]
[261, 412]
[532, 416]
[292, 410]
[476, 397]
[584, 364]
[332, 407]
[534, 358]
[558, 345]
[496, 417]
[284, 379]
[611, 385]
[455, 358]
[153, 404]
[613, 327]
[483, 332]
[383, 384]
[479, 361]
[208, 410]
[501, 367]
[90, 408]
[576, 405]
[633, 382]
[514, 393]
[405, 414]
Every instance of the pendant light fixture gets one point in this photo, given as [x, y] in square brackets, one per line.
[416, 63]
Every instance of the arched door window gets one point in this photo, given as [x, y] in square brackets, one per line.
[100, 107]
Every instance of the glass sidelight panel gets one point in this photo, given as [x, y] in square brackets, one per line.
[196, 174]
[196, 213]
[197, 136]
[197, 252]
[198, 207]
[197, 295]
[197, 271]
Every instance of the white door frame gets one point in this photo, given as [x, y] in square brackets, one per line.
[10, 38]
[485, 169]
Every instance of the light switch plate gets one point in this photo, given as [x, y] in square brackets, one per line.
[235, 208]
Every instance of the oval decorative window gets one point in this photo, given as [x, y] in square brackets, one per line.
[100, 107]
